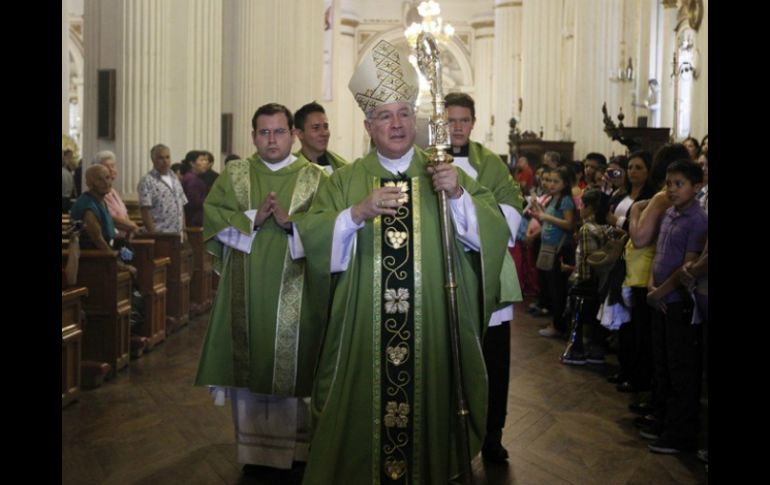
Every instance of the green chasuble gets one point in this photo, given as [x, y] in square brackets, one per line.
[265, 327]
[382, 405]
[494, 175]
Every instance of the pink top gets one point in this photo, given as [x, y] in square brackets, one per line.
[117, 209]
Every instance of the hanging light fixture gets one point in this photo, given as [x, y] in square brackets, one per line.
[431, 22]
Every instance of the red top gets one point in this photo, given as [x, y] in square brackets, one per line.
[526, 178]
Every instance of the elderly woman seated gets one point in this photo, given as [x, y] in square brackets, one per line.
[99, 229]
[124, 225]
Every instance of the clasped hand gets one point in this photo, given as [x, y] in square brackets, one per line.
[272, 207]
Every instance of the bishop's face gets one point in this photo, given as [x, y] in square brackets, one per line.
[393, 128]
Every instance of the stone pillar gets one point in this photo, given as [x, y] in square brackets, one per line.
[700, 95]
[142, 72]
[347, 127]
[506, 81]
[65, 67]
[542, 67]
[194, 83]
[269, 65]
[597, 47]
[667, 85]
[483, 51]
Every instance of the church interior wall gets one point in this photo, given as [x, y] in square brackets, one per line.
[202, 58]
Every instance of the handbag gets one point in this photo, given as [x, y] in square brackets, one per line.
[547, 255]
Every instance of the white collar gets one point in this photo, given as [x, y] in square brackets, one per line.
[396, 165]
[283, 163]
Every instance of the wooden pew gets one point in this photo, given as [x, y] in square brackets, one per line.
[201, 294]
[178, 276]
[106, 336]
[71, 343]
[151, 276]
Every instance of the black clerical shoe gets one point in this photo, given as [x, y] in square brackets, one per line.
[492, 450]
[495, 454]
[260, 471]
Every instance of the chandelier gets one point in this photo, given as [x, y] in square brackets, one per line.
[431, 22]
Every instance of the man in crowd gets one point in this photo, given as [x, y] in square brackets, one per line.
[313, 133]
[489, 170]
[161, 197]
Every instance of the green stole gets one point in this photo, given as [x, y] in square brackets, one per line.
[397, 336]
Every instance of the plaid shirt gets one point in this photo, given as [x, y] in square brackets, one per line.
[591, 238]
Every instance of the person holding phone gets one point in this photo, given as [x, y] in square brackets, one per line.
[611, 184]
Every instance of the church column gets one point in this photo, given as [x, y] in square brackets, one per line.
[542, 67]
[507, 65]
[667, 91]
[269, 66]
[347, 127]
[597, 43]
[65, 67]
[700, 94]
[130, 37]
[194, 84]
[483, 50]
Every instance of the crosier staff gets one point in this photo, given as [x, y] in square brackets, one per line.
[438, 135]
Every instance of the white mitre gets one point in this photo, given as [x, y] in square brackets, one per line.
[384, 76]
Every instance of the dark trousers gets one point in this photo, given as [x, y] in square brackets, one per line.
[635, 338]
[556, 283]
[497, 357]
[584, 303]
[677, 363]
[543, 294]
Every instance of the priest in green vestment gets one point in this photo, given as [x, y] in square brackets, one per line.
[488, 169]
[382, 404]
[312, 130]
[265, 326]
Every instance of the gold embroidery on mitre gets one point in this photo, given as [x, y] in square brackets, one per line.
[391, 84]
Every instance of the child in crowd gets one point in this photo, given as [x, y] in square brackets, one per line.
[676, 349]
[584, 283]
[542, 196]
[558, 221]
